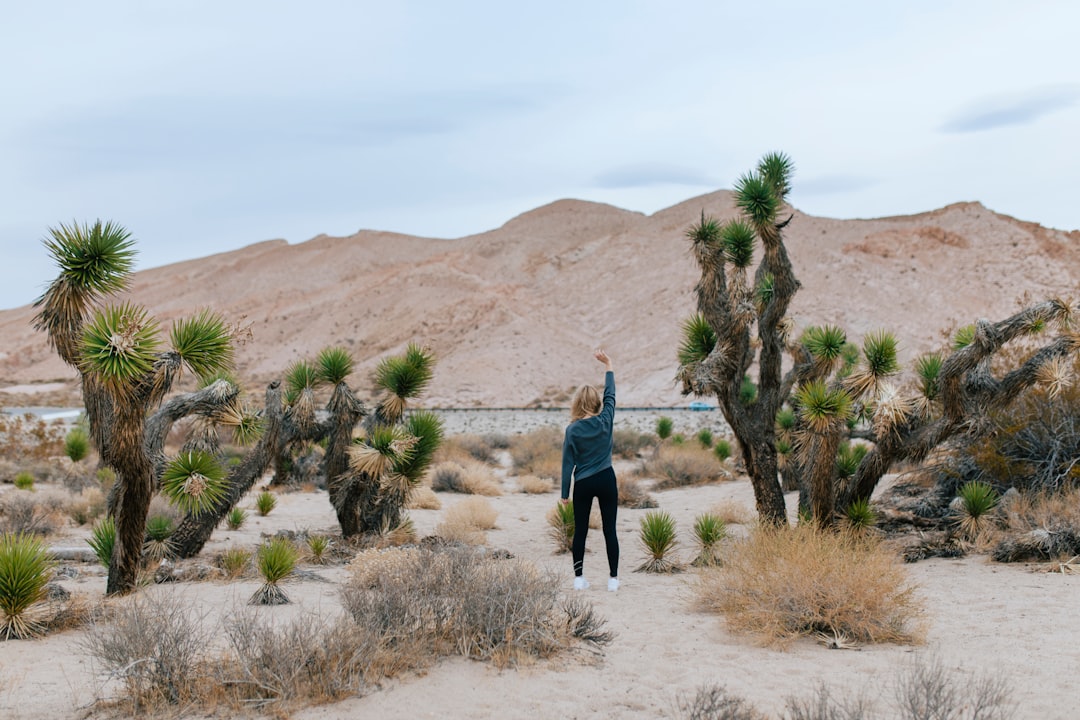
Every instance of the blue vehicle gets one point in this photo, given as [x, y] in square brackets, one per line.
[699, 405]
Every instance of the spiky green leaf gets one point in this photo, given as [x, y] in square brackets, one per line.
[120, 344]
[102, 540]
[96, 258]
[406, 376]
[825, 343]
[755, 197]
[776, 169]
[879, 348]
[276, 559]
[739, 242]
[705, 232]
[698, 340]
[821, 407]
[300, 376]
[785, 419]
[928, 368]
[194, 482]
[25, 570]
[964, 336]
[334, 364]
[203, 343]
[427, 428]
[765, 289]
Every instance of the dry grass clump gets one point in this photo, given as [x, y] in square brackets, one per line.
[533, 485]
[677, 466]
[461, 448]
[538, 453]
[423, 497]
[470, 478]
[466, 521]
[627, 443]
[457, 601]
[714, 702]
[786, 582]
[155, 644]
[1039, 526]
[633, 495]
[733, 512]
[31, 513]
[87, 506]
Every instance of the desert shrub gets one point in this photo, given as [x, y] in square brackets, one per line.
[24, 480]
[22, 513]
[664, 427]
[859, 516]
[927, 689]
[678, 439]
[683, 465]
[532, 485]
[102, 540]
[158, 530]
[705, 437]
[469, 477]
[275, 560]
[236, 518]
[537, 453]
[317, 546]
[76, 444]
[733, 512]
[234, 561]
[628, 443]
[780, 583]
[448, 477]
[560, 521]
[424, 603]
[825, 705]
[714, 702]
[633, 495]
[657, 537]
[475, 512]
[722, 450]
[709, 530]
[265, 502]
[976, 501]
[307, 659]
[25, 570]
[89, 505]
[155, 644]
[423, 497]
[475, 447]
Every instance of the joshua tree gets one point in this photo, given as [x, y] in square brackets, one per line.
[124, 375]
[829, 389]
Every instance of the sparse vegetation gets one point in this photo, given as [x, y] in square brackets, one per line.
[722, 450]
[860, 516]
[627, 443]
[76, 444]
[781, 583]
[709, 530]
[234, 561]
[633, 495]
[705, 437]
[657, 538]
[275, 560]
[560, 521]
[317, 547]
[236, 518]
[158, 530]
[537, 453]
[532, 485]
[102, 540]
[677, 466]
[265, 502]
[664, 427]
[424, 498]
[25, 569]
[470, 478]
[24, 481]
[976, 500]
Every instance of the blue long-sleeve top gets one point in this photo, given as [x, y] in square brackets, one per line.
[587, 444]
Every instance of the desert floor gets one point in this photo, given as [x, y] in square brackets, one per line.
[1016, 621]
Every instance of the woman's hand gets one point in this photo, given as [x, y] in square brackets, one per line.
[603, 357]
[564, 501]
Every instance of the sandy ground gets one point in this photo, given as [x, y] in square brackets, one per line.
[1012, 620]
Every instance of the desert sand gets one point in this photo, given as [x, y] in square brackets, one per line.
[1010, 620]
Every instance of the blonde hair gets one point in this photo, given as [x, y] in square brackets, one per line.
[586, 403]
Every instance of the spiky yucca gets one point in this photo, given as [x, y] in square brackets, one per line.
[234, 561]
[275, 560]
[879, 355]
[246, 424]
[860, 516]
[705, 437]
[194, 481]
[265, 502]
[102, 540]
[977, 500]
[722, 449]
[158, 530]
[76, 444]
[25, 570]
[317, 547]
[236, 518]
[657, 538]
[403, 378]
[203, 343]
[698, 340]
[709, 530]
[664, 427]
[333, 365]
[826, 344]
[963, 337]
[119, 346]
[561, 526]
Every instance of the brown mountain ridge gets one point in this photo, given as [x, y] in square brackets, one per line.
[513, 314]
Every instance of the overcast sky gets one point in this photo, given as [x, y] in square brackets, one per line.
[207, 126]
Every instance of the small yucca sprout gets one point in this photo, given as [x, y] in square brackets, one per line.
[783, 447]
[822, 408]
[928, 368]
[234, 561]
[334, 364]
[236, 518]
[158, 530]
[76, 444]
[739, 242]
[785, 419]
[709, 530]
[977, 499]
[102, 540]
[275, 560]
[848, 457]
[203, 343]
[25, 570]
[317, 547]
[24, 480]
[657, 537]
[561, 526]
[404, 533]
[764, 291]
[825, 343]
[1056, 375]
[698, 341]
[722, 450]
[747, 391]
[757, 199]
[194, 482]
[860, 516]
[119, 345]
[265, 502]
[964, 336]
[664, 427]
[705, 437]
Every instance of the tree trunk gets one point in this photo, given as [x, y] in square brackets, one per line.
[761, 467]
[134, 475]
[820, 478]
[194, 530]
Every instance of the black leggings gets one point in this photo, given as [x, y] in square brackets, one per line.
[603, 487]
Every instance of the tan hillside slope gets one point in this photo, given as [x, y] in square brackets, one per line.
[513, 313]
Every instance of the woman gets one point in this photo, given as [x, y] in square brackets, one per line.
[587, 457]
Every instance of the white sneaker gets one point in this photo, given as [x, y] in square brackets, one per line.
[580, 583]
[612, 584]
